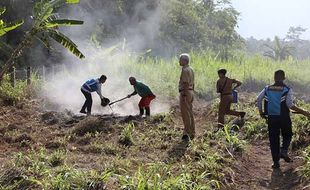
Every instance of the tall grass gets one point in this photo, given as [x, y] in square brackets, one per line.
[255, 72]
[10, 95]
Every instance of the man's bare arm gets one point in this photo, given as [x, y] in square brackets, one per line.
[300, 111]
[238, 83]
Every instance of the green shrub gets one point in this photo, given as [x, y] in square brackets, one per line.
[10, 94]
[126, 135]
[305, 169]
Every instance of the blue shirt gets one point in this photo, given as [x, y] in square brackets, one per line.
[289, 98]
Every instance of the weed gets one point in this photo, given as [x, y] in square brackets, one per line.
[235, 144]
[126, 135]
[257, 129]
[305, 169]
[95, 148]
[57, 158]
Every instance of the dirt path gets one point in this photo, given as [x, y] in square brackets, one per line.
[253, 171]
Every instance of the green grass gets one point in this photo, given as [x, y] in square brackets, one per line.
[255, 72]
[204, 163]
[304, 170]
[44, 170]
[10, 95]
[126, 137]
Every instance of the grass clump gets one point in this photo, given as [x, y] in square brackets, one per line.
[57, 158]
[256, 130]
[67, 178]
[304, 170]
[158, 176]
[126, 138]
[9, 94]
[41, 170]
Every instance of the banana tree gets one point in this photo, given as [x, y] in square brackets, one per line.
[6, 27]
[45, 27]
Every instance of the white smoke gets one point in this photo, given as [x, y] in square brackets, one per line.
[63, 89]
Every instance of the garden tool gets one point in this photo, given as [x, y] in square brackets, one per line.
[118, 101]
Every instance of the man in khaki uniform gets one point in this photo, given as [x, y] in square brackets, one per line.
[186, 89]
[225, 87]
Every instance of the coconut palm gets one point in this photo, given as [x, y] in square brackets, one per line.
[278, 51]
[45, 27]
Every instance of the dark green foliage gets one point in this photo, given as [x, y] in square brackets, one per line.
[182, 25]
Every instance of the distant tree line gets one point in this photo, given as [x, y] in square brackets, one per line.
[167, 27]
[292, 45]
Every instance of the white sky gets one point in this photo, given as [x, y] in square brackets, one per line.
[267, 18]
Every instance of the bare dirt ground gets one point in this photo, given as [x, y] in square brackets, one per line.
[26, 126]
[253, 170]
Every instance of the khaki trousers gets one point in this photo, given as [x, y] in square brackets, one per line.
[224, 109]
[186, 106]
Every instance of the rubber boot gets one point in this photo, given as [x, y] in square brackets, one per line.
[141, 111]
[275, 165]
[284, 156]
[147, 111]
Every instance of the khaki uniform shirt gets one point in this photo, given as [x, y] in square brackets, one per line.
[187, 76]
[227, 89]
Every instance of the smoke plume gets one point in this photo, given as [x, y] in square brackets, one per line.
[63, 88]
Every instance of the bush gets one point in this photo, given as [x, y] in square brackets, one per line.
[9, 94]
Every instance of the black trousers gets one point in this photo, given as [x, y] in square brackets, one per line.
[275, 127]
[88, 102]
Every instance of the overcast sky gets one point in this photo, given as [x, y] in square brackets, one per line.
[267, 18]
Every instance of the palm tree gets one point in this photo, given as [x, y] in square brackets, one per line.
[45, 27]
[278, 51]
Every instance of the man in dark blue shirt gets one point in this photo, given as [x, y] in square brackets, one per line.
[278, 101]
[92, 85]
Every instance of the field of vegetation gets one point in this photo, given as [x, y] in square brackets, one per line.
[113, 152]
[42, 149]
[256, 72]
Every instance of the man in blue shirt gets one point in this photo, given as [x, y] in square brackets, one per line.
[278, 100]
[92, 85]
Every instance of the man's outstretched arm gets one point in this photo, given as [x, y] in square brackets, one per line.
[292, 106]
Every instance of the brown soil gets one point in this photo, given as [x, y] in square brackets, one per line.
[253, 170]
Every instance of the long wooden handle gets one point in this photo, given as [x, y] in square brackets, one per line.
[117, 101]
